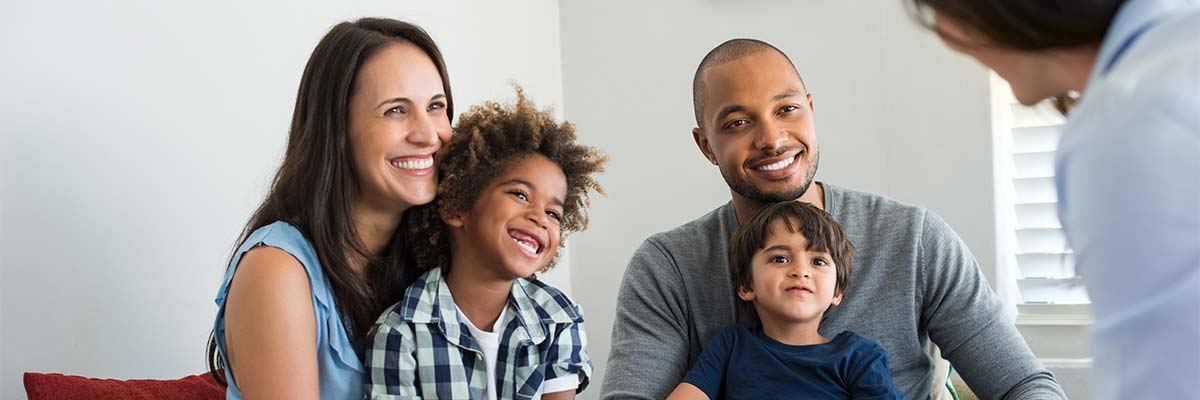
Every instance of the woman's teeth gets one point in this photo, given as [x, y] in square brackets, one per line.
[420, 163]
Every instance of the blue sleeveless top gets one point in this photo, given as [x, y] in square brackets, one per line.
[340, 371]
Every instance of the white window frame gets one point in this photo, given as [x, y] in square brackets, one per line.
[1055, 295]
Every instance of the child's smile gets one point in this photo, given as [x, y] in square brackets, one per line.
[528, 243]
[799, 290]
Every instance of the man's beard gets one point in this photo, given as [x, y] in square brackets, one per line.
[746, 189]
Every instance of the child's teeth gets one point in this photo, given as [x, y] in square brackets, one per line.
[526, 246]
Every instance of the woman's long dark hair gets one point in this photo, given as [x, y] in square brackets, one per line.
[315, 184]
[1027, 25]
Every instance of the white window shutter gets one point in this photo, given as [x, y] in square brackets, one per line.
[1045, 264]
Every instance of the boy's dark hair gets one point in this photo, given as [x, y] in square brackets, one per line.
[818, 227]
[486, 141]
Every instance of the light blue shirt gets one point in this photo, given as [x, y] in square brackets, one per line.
[339, 369]
[1128, 171]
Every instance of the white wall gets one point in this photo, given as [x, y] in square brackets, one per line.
[138, 136]
[896, 114]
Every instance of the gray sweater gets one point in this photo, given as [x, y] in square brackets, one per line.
[913, 280]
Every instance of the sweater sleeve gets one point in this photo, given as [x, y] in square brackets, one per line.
[650, 332]
[965, 319]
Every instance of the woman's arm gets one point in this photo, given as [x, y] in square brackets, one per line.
[270, 329]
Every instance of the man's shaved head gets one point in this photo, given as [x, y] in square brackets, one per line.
[731, 50]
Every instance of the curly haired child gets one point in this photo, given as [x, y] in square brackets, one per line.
[478, 324]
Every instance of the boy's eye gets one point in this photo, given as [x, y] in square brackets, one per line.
[820, 261]
[520, 195]
[778, 259]
[555, 215]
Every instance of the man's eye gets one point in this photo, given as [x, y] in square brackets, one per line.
[737, 123]
[394, 110]
[789, 108]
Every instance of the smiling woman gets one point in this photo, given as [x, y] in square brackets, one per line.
[321, 257]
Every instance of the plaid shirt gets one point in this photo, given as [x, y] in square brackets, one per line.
[421, 348]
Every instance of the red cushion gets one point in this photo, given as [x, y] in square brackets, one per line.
[67, 387]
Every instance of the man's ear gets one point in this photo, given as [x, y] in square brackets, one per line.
[451, 218]
[811, 107]
[702, 143]
[745, 293]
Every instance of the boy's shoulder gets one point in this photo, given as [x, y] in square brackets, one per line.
[729, 338]
[855, 346]
[853, 339]
[419, 303]
[734, 331]
[551, 305]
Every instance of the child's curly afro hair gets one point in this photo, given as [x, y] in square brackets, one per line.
[486, 141]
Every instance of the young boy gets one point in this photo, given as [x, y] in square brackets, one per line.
[513, 183]
[790, 264]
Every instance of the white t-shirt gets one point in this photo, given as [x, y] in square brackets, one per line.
[489, 342]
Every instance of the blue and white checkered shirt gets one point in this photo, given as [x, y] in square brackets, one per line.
[422, 349]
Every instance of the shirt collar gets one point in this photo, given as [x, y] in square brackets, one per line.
[428, 301]
[534, 304]
[1132, 19]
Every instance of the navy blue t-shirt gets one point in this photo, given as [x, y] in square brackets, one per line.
[740, 364]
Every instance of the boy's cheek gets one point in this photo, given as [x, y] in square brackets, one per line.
[551, 253]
